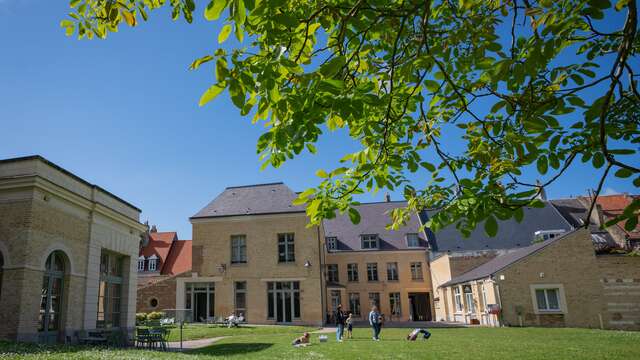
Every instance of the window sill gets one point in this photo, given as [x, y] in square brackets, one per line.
[291, 263]
[549, 312]
[239, 264]
[418, 280]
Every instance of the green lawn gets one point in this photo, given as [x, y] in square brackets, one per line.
[475, 343]
[197, 331]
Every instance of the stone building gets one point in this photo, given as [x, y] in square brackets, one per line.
[559, 282]
[253, 254]
[67, 254]
[367, 264]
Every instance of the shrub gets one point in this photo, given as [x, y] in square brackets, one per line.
[155, 315]
[140, 317]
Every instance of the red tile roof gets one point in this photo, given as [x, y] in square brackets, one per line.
[179, 259]
[159, 245]
[613, 205]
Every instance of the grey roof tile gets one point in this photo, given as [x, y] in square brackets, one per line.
[260, 199]
[373, 220]
[511, 234]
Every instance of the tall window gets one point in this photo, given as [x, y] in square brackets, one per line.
[200, 298]
[283, 301]
[413, 240]
[457, 297]
[354, 303]
[286, 250]
[468, 297]
[332, 243]
[241, 298]
[52, 293]
[548, 299]
[332, 273]
[394, 303]
[392, 271]
[484, 295]
[352, 272]
[238, 249]
[372, 271]
[369, 241]
[153, 263]
[110, 290]
[374, 299]
[335, 300]
[141, 263]
[416, 271]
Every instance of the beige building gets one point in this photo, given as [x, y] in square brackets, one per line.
[253, 255]
[67, 254]
[367, 264]
[558, 282]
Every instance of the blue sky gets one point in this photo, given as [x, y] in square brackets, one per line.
[123, 114]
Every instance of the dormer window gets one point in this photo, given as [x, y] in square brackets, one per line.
[153, 263]
[413, 240]
[370, 241]
[332, 243]
[141, 263]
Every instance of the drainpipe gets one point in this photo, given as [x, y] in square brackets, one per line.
[321, 270]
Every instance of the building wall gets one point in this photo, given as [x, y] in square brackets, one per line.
[569, 263]
[620, 277]
[39, 216]
[212, 253]
[404, 285]
[164, 291]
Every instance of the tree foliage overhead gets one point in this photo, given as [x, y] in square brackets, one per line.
[517, 84]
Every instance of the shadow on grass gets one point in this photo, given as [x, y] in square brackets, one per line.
[231, 349]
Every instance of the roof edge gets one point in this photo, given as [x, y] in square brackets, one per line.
[255, 185]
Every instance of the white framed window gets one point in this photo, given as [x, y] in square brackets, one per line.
[416, 271]
[372, 271]
[286, 249]
[238, 249]
[548, 298]
[332, 243]
[394, 304]
[153, 263]
[369, 241]
[484, 295]
[392, 271]
[352, 272]
[332, 273]
[141, 263]
[457, 297]
[468, 298]
[413, 240]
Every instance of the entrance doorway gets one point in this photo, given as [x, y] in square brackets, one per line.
[419, 306]
[283, 301]
[200, 299]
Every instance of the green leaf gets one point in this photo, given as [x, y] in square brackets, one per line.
[354, 216]
[432, 85]
[623, 173]
[224, 33]
[598, 160]
[631, 223]
[491, 226]
[332, 66]
[542, 164]
[212, 93]
[621, 3]
[214, 9]
[240, 12]
[196, 63]
[321, 173]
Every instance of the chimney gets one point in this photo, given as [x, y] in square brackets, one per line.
[387, 197]
[543, 194]
[153, 229]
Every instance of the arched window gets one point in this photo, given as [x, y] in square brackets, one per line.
[52, 294]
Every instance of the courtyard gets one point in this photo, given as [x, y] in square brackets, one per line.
[455, 343]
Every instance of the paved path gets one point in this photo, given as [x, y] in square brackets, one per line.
[194, 344]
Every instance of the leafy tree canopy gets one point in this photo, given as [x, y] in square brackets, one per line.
[520, 83]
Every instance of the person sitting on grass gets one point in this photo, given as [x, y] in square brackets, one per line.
[414, 334]
[349, 323]
[301, 341]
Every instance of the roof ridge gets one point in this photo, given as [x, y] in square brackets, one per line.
[255, 185]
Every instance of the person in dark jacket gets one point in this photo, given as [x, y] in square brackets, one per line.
[375, 320]
[340, 318]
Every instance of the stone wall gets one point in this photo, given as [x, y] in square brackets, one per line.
[620, 277]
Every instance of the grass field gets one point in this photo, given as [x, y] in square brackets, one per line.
[473, 343]
[197, 331]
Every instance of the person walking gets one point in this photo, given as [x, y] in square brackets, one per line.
[374, 321]
[339, 318]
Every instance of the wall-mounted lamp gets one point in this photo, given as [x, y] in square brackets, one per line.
[222, 268]
[307, 264]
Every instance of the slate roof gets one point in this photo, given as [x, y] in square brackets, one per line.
[260, 199]
[373, 219]
[498, 263]
[575, 212]
[511, 234]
